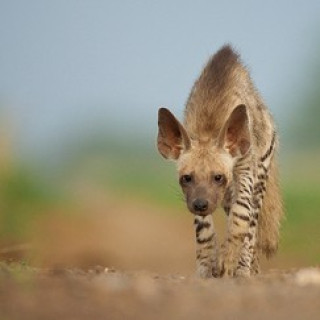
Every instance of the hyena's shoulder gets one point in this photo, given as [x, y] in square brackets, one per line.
[262, 124]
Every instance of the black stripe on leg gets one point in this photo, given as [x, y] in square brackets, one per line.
[258, 185]
[209, 246]
[202, 225]
[235, 222]
[242, 236]
[204, 240]
[262, 176]
[253, 223]
[205, 257]
[250, 236]
[242, 204]
[261, 166]
[258, 206]
[242, 264]
[241, 216]
[250, 179]
[245, 189]
[246, 199]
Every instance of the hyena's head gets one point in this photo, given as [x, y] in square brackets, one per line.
[205, 165]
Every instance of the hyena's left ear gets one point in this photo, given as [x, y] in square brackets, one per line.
[172, 137]
[235, 135]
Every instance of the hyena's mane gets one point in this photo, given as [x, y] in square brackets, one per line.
[223, 79]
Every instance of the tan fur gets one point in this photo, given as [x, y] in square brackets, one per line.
[224, 84]
[228, 132]
[271, 214]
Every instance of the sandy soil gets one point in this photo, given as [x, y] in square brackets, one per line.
[121, 238]
[102, 293]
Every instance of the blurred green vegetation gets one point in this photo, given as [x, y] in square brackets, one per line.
[24, 195]
[128, 168]
[300, 235]
[129, 172]
[145, 177]
[19, 272]
[133, 170]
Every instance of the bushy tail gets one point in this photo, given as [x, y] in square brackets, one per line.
[271, 214]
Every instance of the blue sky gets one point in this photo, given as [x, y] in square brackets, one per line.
[76, 66]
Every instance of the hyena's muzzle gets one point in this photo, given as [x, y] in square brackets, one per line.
[201, 201]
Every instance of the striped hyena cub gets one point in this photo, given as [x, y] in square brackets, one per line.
[225, 154]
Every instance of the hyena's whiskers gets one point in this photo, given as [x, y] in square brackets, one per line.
[225, 152]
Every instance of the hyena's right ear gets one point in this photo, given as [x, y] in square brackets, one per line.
[235, 135]
[172, 137]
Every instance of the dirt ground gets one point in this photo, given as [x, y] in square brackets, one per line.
[123, 238]
[102, 293]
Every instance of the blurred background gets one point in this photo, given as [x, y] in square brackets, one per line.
[81, 182]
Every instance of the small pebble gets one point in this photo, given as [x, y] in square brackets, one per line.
[308, 276]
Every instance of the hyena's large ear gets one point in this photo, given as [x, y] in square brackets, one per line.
[172, 137]
[235, 135]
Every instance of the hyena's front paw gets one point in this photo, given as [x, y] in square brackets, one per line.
[243, 273]
[204, 272]
[216, 272]
[207, 269]
[227, 262]
[226, 269]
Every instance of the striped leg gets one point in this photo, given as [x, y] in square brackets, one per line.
[249, 260]
[255, 264]
[247, 253]
[207, 248]
[238, 225]
[250, 249]
[258, 194]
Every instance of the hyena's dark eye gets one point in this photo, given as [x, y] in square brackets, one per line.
[185, 179]
[219, 178]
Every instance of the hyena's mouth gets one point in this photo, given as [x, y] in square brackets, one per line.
[200, 213]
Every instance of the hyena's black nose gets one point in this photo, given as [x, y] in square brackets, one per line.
[200, 205]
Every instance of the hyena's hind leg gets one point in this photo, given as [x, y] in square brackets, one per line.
[207, 247]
